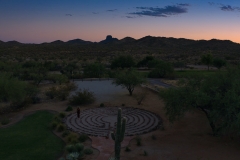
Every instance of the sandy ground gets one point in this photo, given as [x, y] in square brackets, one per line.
[189, 138]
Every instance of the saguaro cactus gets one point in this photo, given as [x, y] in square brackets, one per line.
[119, 135]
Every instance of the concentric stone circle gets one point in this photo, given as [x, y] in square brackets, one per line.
[102, 120]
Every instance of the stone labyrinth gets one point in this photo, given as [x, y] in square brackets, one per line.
[100, 121]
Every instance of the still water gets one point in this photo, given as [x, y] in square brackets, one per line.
[103, 90]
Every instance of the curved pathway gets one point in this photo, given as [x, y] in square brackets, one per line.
[102, 120]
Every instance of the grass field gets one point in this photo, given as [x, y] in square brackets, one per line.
[30, 139]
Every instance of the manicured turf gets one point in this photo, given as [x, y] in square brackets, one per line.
[30, 139]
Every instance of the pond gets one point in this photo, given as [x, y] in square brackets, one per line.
[103, 90]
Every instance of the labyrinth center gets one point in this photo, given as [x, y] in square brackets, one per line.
[100, 121]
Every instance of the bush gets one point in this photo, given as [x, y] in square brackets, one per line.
[88, 151]
[51, 92]
[53, 125]
[72, 138]
[61, 115]
[83, 138]
[57, 119]
[5, 121]
[139, 141]
[162, 70]
[153, 137]
[69, 108]
[145, 153]
[102, 105]
[127, 149]
[61, 92]
[61, 127]
[65, 133]
[15, 91]
[70, 148]
[79, 147]
[82, 97]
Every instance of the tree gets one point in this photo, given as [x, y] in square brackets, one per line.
[217, 96]
[144, 62]
[219, 63]
[162, 69]
[129, 79]
[207, 59]
[94, 70]
[123, 62]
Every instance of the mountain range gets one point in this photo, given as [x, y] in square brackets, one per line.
[168, 46]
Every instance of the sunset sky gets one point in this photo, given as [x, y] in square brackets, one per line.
[37, 21]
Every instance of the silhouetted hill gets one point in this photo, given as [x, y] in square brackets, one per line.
[78, 41]
[109, 39]
[57, 42]
[13, 42]
[166, 48]
[127, 40]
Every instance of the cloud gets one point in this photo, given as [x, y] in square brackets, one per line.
[211, 3]
[224, 7]
[183, 4]
[68, 15]
[161, 12]
[229, 8]
[111, 10]
[130, 17]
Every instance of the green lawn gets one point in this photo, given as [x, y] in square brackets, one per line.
[30, 139]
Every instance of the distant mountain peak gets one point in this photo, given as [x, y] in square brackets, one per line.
[109, 39]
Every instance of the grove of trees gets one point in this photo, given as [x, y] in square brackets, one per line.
[217, 96]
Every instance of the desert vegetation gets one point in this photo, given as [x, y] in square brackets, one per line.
[44, 74]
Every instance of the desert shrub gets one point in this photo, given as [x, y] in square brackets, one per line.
[61, 127]
[123, 62]
[54, 125]
[15, 91]
[83, 138]
[79, 147]
[5, 121]
[102, 105]
[65, 133]
[61, 92]
[88, 151]
[72, 138]
[58, 78]
[69, 108]
[35, 100]
[127, 149]
[73, 156]
[62, 115]
[51, 92]
[161, 70]
[145, 153]
[70, 148]
[94, 70]
[153, 137]
[57, 119]
[82, 97]
[139, 141]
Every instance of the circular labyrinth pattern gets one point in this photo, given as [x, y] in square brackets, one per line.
[100, 121]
